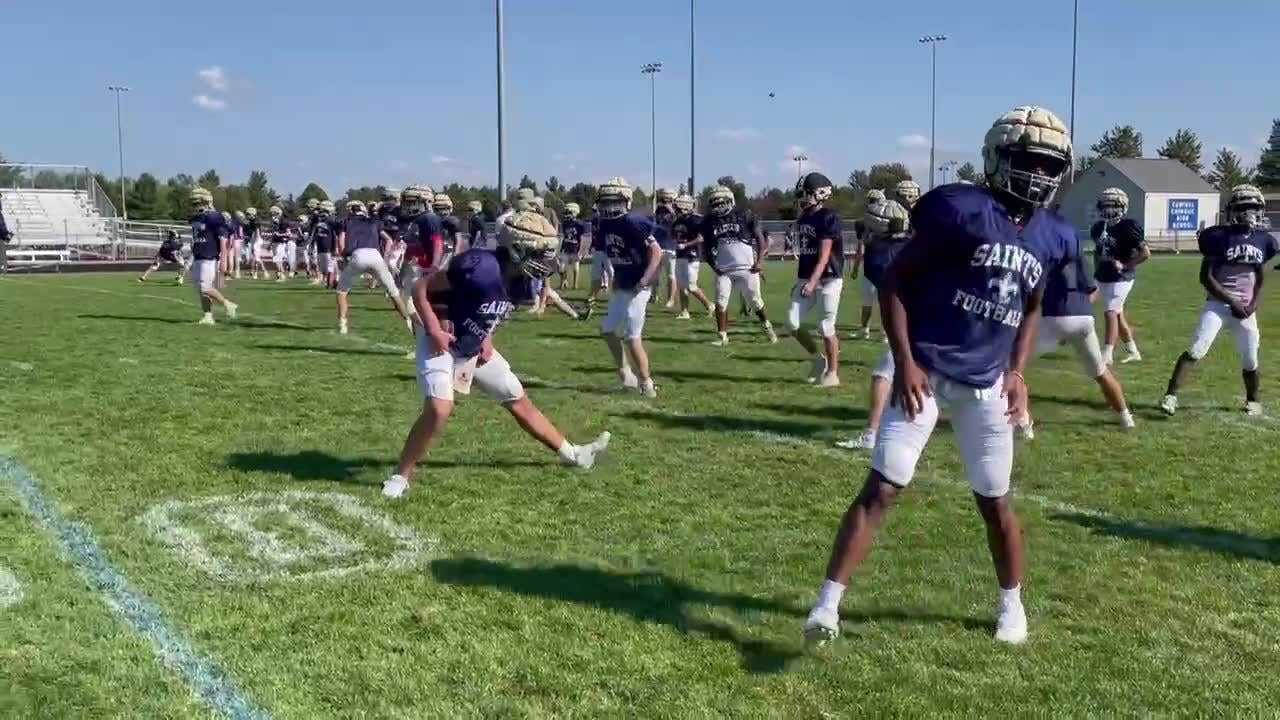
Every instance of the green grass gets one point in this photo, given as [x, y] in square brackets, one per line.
[671, 581]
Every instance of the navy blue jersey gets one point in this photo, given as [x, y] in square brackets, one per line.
[1120, 242]
[418, 230]
[207, 230]
[362, 234]
[452, 227]
[964, 311]
[626, 241]
[169, 249]
[571, 234]
[250, 227]
[729, 241]
[324, 232]
[811, 229]
[278, 230]
[684, 229]
[389, 216]
[475, 228]
[597, 240]
[662, 221]
[1235, 253]
[1067, 290]
[477, 299]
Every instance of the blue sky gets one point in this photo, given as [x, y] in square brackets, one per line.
[349, 95]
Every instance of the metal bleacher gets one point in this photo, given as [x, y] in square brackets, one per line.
[57, 214]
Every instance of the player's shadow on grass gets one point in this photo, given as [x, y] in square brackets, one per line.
[844, 413]
[665, 374]
[650, 597]
[331, 350]
[1227, 542]
[732, 424]
[138, 318]
[315, 465]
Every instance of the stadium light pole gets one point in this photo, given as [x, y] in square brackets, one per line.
[692, 66]
[932, 41]
[652, 70]
[117, 89]
[946, 169]
[502, 144]
[800, 159]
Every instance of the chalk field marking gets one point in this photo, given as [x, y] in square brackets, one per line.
[10, 588]
[23, 366]
[211, 684]
[242, 515]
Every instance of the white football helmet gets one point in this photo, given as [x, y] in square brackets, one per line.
[442, 204]
[684, 204]
[875, 195]
[1113, 203]
[201, 198]
[312, 204]
[1026, 153]
[276, 212]
[327, 207]
[303, 219]
[613, 198]
[665, 197]
[721, 201]
[532, 241]
[416, 198]
[238, 215]
[251, 212]
[907, 192]
[355, 207]
[571, 210]
[887, 218]
[475, 206]
[1246, 206]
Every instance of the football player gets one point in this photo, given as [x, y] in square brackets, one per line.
[170, 252]
[888, 228]
[258, 247]
[1234, 257]
[236, 248]
[422, 233]
[1067, 317]
[278, 232]
[686, 232]
[209, 232]
[460, 309]
[733, 244]
[601, 268]
[627, 238]
[819, 277]
[475, 225]
[867, 289]
[364, 244]
[960, 305]
[664, 215]
[1121, 247]
[572, 230]
[324, 232]
[442, 206]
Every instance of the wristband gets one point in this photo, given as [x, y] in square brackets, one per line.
[1019, 374]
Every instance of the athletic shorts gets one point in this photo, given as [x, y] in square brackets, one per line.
[435, 374]
[1078, 331]
[291, 252]
[279, 252]
[367, 260]
[687, 274]
[626, 313]
[204, 275]
[668, 266]
[1114, 294]
[885, 368]
[826, 297]
[1216, 314]
[324, 263]
[747, 284]
[601, 268]
[981, 428]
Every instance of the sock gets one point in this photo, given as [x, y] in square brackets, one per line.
[767, 325]
[1132, 347]
[568, 451]
[724, 337]
[1012, 596]
[209, 315]
[1107, 351]
[829, 595]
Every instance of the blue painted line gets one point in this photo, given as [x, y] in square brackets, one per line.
[211, 683]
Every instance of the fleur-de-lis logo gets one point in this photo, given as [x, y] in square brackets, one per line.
[1006, 288]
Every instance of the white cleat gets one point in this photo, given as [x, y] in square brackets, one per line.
[1126, 421]
[395, 486]
[829, 379]
[1011, 623]
[206, 320]
[720, 342]
[648, 389]
[822, 627]
[818, 369]
[865, 441]
[1169, 404]
[342, 327]
[179, 279]
[232, 309]
[1253, 409]
[585, 456]
[1131, 357]
[629, 383]
[683, 315]
[771, 335]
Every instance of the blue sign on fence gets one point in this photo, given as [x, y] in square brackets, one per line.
[1184, 214]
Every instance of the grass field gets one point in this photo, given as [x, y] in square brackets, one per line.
[231, 476]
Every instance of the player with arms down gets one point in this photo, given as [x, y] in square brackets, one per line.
[960, 306]
[460, 308]
[1121, 246]
[734, 245]
[209, 233]
[685, 231]
[819, 277]
[627, 239]
[1234, 258]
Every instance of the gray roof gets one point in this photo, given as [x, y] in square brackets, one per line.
[1158, 175]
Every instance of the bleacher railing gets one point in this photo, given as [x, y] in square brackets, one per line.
[43, 176]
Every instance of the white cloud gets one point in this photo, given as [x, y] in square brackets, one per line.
[441, 160]
[215, 77]
[204, 102]
[739, 134]
[913, 142]
[793, 150]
